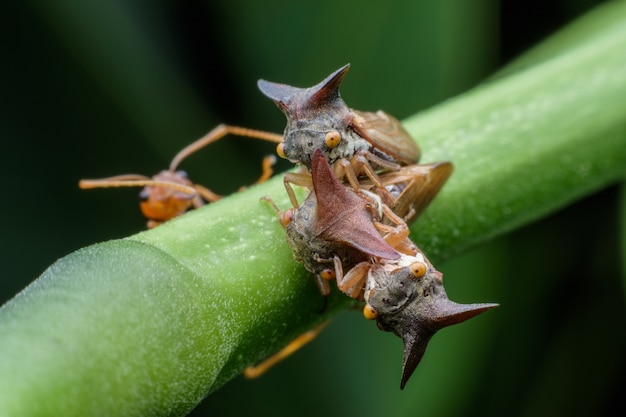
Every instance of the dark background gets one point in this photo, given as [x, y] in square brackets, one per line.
[93, 89]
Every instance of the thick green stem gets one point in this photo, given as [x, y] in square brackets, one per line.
[152, 323]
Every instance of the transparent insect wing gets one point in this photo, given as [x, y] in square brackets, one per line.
[414, 309]
[386, 133]
[411, 189]
[415, 186]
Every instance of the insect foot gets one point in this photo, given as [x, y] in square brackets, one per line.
[407, 297]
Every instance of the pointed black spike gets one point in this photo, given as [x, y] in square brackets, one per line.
[295, 100]
[311, 113]
[414, 348]
[414, 308]
[327, 90]
[278, 93]
[419, 328]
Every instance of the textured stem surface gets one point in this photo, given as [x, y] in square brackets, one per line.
[150, 324]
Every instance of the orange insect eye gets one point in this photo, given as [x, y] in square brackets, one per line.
[369, 312]
[286, 217]
[418, 269]
[280, 150]
[332, 139]
[328, 274]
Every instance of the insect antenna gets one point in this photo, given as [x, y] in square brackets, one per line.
[133, 180]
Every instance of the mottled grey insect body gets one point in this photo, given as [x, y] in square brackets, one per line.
[413, 307]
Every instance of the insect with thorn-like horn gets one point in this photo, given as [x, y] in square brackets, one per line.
[407, 297]
[404, 292]
[355, 143]
[335, 228]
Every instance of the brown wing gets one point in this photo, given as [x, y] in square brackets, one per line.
[416, 186]
[342, 215]
[386, 133]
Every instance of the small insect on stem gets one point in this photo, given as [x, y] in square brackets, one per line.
[334, 228]
[358, 235]
[407, 297]
[355, 143]
[336, 235]
[170, 193]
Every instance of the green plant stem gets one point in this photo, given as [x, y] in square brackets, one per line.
[529, 142]
[150, 324]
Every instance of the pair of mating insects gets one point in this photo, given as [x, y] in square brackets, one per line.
[355, 232]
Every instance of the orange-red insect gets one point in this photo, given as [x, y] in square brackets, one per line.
[170, 193]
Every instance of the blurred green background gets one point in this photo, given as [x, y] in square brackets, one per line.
[105, 87]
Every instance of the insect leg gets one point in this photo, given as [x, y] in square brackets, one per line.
[321, 279]
[134, 181]
[216, 134]
[267, 170]
[343, 168]
[302, 179]
[352, 283]
[258, 370]
[397, 233]
[205, 193]
[268, 163]
[284, 217]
